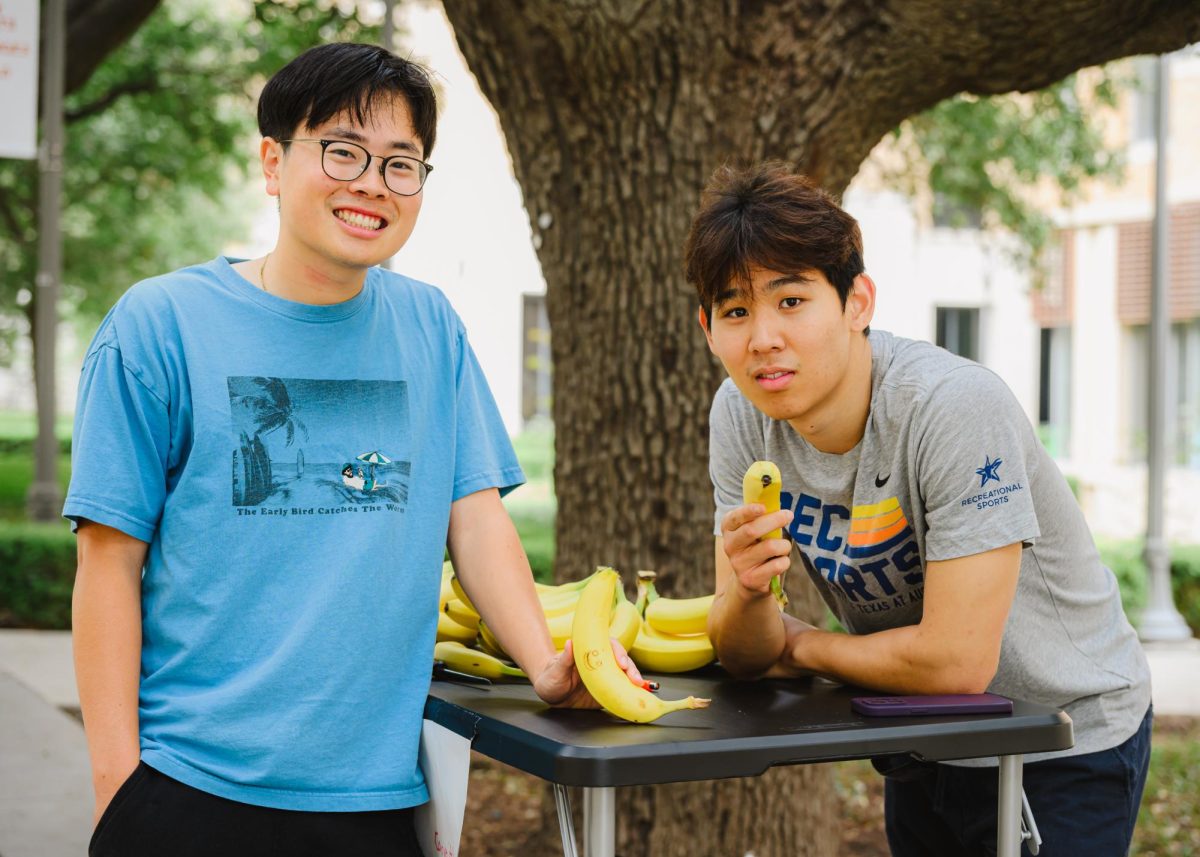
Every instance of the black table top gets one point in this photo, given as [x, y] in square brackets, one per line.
[750, 726]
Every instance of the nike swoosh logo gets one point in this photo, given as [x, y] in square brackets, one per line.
[879, 483]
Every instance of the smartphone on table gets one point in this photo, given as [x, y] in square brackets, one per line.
[913, 706]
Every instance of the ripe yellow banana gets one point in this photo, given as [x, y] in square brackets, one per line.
[597, 665]
[663, 653]
[461, 594]
[448, 629]
[461, 613]
[679, 615]
[762, 485]
[458, 657]
[487, 642]
[625, 623]
[559, 602]
[447, 591]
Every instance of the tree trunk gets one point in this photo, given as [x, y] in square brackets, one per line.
[616, 113]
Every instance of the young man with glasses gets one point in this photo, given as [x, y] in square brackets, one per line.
[253, 627]
[923, 508]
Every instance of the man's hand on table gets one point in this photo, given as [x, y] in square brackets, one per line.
[560, 685]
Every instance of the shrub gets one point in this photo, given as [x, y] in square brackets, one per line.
[37, 572]
[1126, 561]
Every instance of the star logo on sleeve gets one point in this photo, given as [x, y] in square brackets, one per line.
[988, 473]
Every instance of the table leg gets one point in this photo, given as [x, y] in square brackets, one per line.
[1008, 808]
[599, 822]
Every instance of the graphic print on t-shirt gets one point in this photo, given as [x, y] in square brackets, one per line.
[316, 447]
[868, 554]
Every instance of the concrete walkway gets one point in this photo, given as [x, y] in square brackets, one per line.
[45, 781]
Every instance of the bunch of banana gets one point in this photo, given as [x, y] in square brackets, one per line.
[449, 628]
[459, 621]
[597, 664]
[672, 637]
[762, 484]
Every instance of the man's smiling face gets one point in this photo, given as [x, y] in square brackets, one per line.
[347, 224]
[785, 342]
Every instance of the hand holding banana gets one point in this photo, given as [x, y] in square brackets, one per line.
[753, 541]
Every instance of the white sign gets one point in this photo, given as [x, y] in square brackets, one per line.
[445, 759]
[18, 78]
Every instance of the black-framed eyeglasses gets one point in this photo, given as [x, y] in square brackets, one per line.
[344, 162]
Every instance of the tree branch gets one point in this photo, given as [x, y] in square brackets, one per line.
[101, 104]
[10, 217]
[95, 28]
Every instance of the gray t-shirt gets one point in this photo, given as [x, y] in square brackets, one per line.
[947, 467]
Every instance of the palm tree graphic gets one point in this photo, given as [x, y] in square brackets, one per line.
[271, 409]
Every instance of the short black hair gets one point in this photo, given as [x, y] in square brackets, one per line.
[345, 78]
[768, 216]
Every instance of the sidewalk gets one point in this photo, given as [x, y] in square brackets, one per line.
[45, 782]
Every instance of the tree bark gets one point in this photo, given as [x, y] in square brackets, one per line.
[616, 112]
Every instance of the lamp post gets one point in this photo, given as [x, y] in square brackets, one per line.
[1161, 621]
[43, 502]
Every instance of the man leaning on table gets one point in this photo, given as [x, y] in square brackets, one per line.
[920, 503]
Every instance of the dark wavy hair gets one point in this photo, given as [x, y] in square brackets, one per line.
[769, 217]
[345, 77]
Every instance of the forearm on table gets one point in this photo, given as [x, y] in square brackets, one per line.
[898, 660]
[746, 629]
[106, 636]
[491, 563]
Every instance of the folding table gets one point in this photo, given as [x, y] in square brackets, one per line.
[750, 726]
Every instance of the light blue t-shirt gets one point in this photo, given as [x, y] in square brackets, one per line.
[292, 468]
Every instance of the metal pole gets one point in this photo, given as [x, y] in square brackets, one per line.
[1161, 621]
[599, 822]
[44, 500]
[1008, 808]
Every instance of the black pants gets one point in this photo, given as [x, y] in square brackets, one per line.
[152, 815]
[1083, 805]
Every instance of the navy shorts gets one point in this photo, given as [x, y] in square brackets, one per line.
[1085, 804]
[152, 815]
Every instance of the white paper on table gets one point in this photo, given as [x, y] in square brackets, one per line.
[445, 759]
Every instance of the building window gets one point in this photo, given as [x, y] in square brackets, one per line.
[958, 330]
[536, 369]
[1183, 394]
[1054, 390]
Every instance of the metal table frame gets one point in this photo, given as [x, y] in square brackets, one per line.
[750, 727]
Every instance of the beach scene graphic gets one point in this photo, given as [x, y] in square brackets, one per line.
[317, 444]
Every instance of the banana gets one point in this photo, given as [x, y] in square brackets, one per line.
[487, 642]
[661, 653]
[569, 586]
[447, 592]
[625, 623]
[448, 629]
[461, 613]
[645, 586]
[679, 615]
[461, 594]
[560, 629]
[597, 665]
[456, 656]
[762, 484]
[557, 603]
